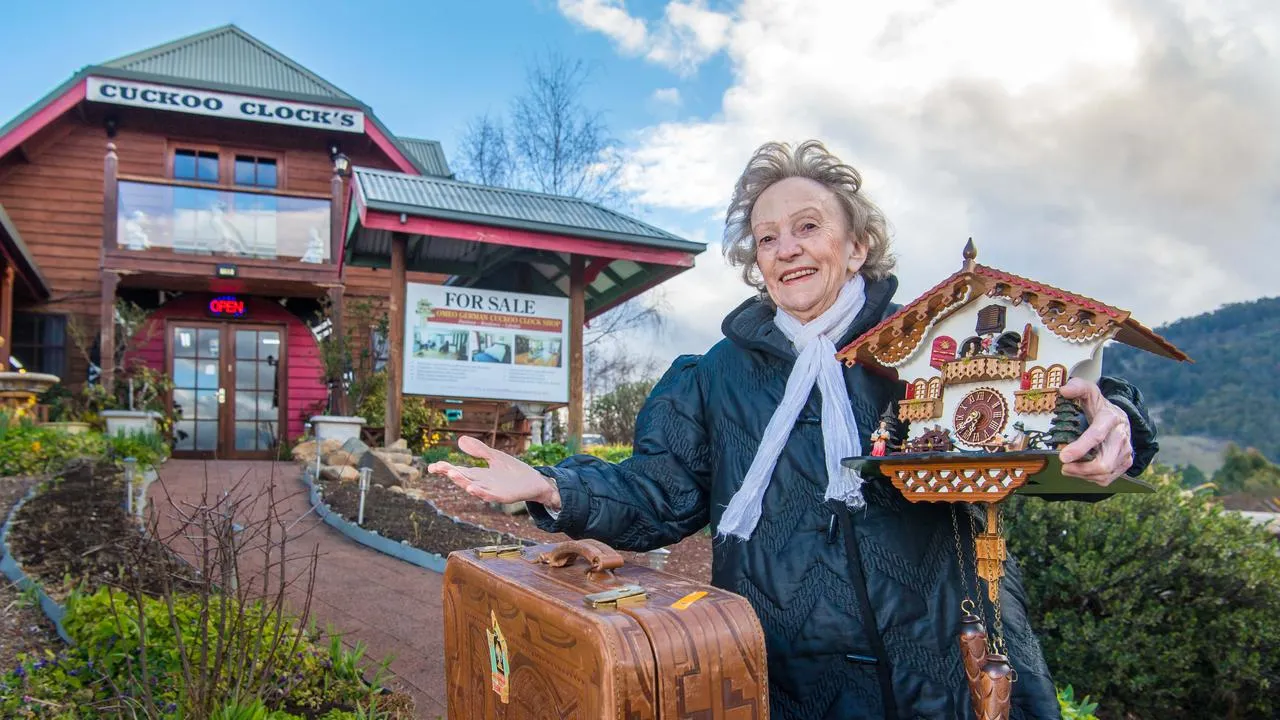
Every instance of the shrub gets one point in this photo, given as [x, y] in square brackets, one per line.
[545, 454]
[415, 415]
[30, 449]
[1164, 604]
[611, 453]
[104, 664]
[149, 449]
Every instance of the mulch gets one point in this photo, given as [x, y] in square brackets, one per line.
[23, 627]
[76, 533]
[400, 517]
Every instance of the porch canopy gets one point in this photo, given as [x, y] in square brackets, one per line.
[505, 240]
[20, 279]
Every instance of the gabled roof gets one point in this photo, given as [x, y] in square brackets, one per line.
[428, 155]
[15, 250]
[435, 197]
[1069, 315]
[229, 56]
[224, 59]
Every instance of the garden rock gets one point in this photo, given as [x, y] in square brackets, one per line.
[383, 472]
[400, 444]
[395, 457]
[395, 489]
[408, 473]
[339, 473]
[356, 447]
[341, 457]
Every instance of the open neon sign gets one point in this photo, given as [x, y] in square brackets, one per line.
[226, 306]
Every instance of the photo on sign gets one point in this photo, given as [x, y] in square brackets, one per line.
[491, 347]
[540, 352]
[440, 344]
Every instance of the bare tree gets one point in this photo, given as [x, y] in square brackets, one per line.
[561, 147]
[486, 154]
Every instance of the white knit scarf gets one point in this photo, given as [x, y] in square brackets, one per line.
[815, 343]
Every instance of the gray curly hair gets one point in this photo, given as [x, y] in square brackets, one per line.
[775, 161]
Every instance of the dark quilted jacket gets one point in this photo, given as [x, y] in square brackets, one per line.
[815, 573]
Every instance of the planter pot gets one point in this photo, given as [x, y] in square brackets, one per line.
[71, 428]
[129, 422]
[336, 427]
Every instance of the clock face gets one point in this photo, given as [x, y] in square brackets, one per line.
[980, 416]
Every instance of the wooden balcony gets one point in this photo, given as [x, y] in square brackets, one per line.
[919, 410]
[175, 228]
[1034, 401]
[978, 369]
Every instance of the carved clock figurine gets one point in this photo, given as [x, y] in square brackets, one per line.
[980, 417]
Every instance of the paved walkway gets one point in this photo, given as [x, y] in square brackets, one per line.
[390, 605]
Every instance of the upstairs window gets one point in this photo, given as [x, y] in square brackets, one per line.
[196, 165]
[256, 172]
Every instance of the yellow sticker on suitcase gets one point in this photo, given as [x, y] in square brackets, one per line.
[689, 599]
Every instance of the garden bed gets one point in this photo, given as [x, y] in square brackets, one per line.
[453, 520]
[75, 532]
[23, 628]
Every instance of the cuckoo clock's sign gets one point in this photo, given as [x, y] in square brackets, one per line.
[223, 105]
[226, 306]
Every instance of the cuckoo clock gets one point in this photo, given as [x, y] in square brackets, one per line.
[983, 355]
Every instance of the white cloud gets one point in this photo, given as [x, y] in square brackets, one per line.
[610, 18]
[1124, 149]
[687, 35]
[667, 96]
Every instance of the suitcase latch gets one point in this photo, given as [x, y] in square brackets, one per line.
[499, 551]
[624, 595]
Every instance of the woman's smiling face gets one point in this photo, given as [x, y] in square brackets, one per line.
[804, 248]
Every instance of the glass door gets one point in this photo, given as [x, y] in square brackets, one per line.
[227, 388]
[255, 394]
[198, 394]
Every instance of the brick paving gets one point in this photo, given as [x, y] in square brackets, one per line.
[390, 605]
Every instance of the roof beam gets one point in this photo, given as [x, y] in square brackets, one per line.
[383, 220]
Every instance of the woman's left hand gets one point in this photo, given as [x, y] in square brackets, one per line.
[1108, 431]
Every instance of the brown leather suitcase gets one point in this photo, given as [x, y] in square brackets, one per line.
[570, 631]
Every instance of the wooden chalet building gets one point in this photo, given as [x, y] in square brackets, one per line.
[230, 191]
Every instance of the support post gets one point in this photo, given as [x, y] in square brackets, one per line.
[337, 326]
[107, 330]
[337, 222]
[110, 200]
[395, 360]
[577, 321]
[6, 316]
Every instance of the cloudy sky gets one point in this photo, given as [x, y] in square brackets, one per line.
[1125, 149]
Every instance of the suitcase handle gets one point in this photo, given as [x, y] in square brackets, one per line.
[601, 556]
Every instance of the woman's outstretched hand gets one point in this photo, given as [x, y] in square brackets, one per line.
[506, 480]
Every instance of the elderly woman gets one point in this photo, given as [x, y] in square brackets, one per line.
[858, 590]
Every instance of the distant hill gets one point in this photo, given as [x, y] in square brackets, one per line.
[1231, 392]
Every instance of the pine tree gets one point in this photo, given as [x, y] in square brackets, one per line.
[1066, 425]
[897, 429]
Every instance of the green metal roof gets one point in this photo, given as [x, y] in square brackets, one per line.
[229, 56]
[435, 197]
[27, 268]
[428, 155]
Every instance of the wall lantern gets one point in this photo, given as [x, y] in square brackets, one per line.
[341, 163]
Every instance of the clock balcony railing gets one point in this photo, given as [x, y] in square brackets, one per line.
[978, 369]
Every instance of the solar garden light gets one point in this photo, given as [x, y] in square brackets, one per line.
[658, 558]
[130, 469]
[365, 474]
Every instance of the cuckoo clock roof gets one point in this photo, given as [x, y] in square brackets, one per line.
[1064, 313]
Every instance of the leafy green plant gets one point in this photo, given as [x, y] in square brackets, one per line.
[545, 454]
[1163, 603]
[415, 415]
[149, 449]
[610, 453]
[1073, 709]
[30, 449]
